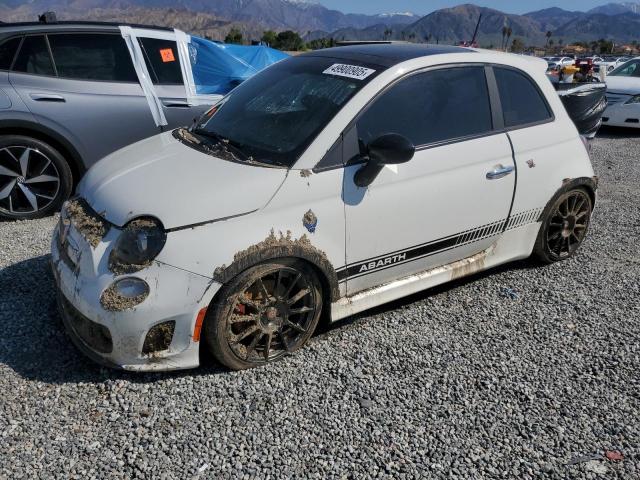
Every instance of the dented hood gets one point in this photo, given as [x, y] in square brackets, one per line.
[175, 183]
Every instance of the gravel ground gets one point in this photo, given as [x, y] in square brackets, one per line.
[465, 381]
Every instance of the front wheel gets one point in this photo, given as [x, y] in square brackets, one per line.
[265, 313]
[34, 178]
[564, 226]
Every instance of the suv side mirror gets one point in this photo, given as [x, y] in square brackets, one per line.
[388, 149]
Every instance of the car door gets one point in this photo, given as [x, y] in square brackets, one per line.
[163, 63]
[84, 86]
[450, 201]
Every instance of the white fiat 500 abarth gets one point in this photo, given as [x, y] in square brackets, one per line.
[327, 184]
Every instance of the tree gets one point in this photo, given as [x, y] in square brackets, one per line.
[269, 37]
[548, 35]
[551, 43]
[234, 36]
[288, 41]
[387, 33]
[427, 38]
[517, 46]
[321, 43]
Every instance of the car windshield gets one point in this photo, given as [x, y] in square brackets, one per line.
[629, 69]
[554, 59]
[274, 116]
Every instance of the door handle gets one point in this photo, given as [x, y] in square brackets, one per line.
[500, 171]
[175, 104]
[47, 97]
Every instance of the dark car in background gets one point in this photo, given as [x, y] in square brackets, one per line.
[69, 95]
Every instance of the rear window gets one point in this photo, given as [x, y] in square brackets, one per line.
[97, 56]
[8, 52]
[161, 57]
[34, 57]
[522, 101]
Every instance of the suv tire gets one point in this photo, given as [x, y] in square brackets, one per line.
[35, 179]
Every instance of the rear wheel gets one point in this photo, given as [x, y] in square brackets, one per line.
[34, 178]
[264, 314]
[564, 226]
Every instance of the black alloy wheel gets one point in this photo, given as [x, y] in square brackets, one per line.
[270, 311]
[565, 226]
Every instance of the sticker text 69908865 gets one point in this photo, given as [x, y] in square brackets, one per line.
[349, 71]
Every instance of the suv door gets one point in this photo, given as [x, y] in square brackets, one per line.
[84, 86]
[450, 201]
[163, 63]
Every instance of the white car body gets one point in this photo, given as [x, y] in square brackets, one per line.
[556, 62]
[419, 224]
[623, 97]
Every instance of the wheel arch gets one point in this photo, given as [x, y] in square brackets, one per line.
[590, 184]
[306, 253]
[44, 134]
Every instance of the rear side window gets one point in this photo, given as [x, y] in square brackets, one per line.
[34, 57]
[92, 57]
[161, 57]
[8, 52]
[522, 101]
[431, 107]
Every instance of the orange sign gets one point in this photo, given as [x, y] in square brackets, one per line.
[167, 55]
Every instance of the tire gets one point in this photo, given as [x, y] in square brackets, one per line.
[564, 226]
[35, 179]
[264, 314]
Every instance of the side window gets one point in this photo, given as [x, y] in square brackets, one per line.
[522, 102]
[431, 107]
[8, 52]
[161, 57]
[87, 56]
[34, 57]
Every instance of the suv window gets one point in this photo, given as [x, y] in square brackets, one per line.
[161, 57]
[92, 56]
[431, 107]
[34, 57]
[522, 102]
[8, 52]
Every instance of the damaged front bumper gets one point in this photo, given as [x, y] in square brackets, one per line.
[156, 334]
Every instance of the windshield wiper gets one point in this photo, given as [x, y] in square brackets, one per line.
[229, 146]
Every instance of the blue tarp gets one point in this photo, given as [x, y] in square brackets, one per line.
[220, 67]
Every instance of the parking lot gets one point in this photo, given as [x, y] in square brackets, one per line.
[520, 372]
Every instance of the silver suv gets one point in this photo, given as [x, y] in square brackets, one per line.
[69, 95]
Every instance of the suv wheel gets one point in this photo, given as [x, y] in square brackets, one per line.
[34, 178]
[264, 314]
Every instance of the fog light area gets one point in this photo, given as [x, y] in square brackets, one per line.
[159, 337]
[124, 294]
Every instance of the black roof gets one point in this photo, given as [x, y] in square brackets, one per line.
[61, 25]
[386, 55]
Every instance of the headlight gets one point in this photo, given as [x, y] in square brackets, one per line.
[632, 100]
[139, 243]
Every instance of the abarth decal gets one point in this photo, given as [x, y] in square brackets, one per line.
[438, 246]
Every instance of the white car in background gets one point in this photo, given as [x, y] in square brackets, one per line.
[329, 183]
[609, 63]
[623, 96]
[555, 63]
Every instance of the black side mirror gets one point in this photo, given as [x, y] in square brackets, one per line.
[388, 149]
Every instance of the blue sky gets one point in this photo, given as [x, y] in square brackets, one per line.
[426, 6]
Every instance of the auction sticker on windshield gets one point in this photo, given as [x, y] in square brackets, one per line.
[349, 71]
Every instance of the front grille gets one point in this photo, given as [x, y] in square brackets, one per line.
[96, 336]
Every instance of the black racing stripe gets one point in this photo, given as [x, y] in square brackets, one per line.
[356, 270]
